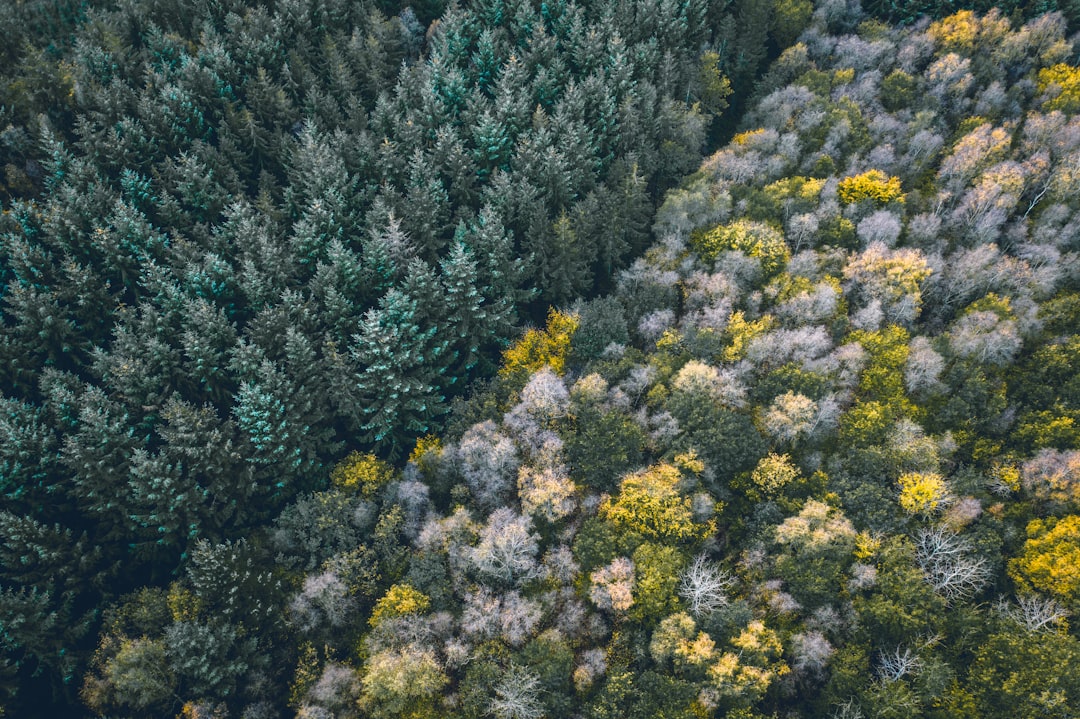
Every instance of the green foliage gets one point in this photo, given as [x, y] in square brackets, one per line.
[551, 658]
[1025, 674]
[241, 242]
[601, 323]
[760, 241]
[212, 658]
[790, 19]
[139, 675]
[656, 577]
[897, 90]
[903, 605]
[604, 447]
[402, 683]
[726, 440]
[650, 694]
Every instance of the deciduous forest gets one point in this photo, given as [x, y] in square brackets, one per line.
[598, 359]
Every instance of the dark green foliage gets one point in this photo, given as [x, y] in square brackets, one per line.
[727, 440]
[239, 240]
[648, 695]
[1031, 674]
[605, 446]
[602, 323]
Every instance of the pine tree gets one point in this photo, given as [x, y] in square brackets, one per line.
[98, 457]
[426, 211]
[28, 447]
[400, 361]
[466, 313]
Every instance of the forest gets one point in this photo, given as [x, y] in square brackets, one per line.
[598, 359]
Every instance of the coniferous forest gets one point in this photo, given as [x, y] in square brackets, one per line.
[598, 359]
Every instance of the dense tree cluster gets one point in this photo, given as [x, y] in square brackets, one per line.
[241, 238]
[815, 455]
[815, 451]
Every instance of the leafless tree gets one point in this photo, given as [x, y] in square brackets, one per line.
[848, 710]
[1035, 613]
[897, 664]
[704, 586]
[946, 560]
[516, 696]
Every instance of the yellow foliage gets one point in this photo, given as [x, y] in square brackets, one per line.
[739, 332]
[843, 77]
[689, 461]
[748, 674]
[425, 444]
[670, 341]
[736, 680]
[539, 348]
[759, 642]
[866, 546]
[198, 710]
[1050, 561]
[183, 604]
[744, 137]
[883, 377]
[754, 239]
[649, 503]
[785, 286]
[1064, 80]
[307, 673]
[1006, 476]
[426, 452]
[922, 493]
[1000, 305]
[715, 86]
[982, 448]
[798, 187]
[955, 32]
[872, 185]
[1046, 428]
[696, 652]
[774, 472]
[399, 600]
[363, 473]
[865, 423]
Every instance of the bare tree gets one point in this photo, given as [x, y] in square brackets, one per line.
[704, 586]
[946, 560]
[848, 710]
[613, 585]
[1035, 613]
[507, 548]
[897, 664]
[811, 651]
[516, 696]
[488, 461]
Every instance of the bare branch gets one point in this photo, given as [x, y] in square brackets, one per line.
[946, 560]
[704, 586]
[898, 663]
